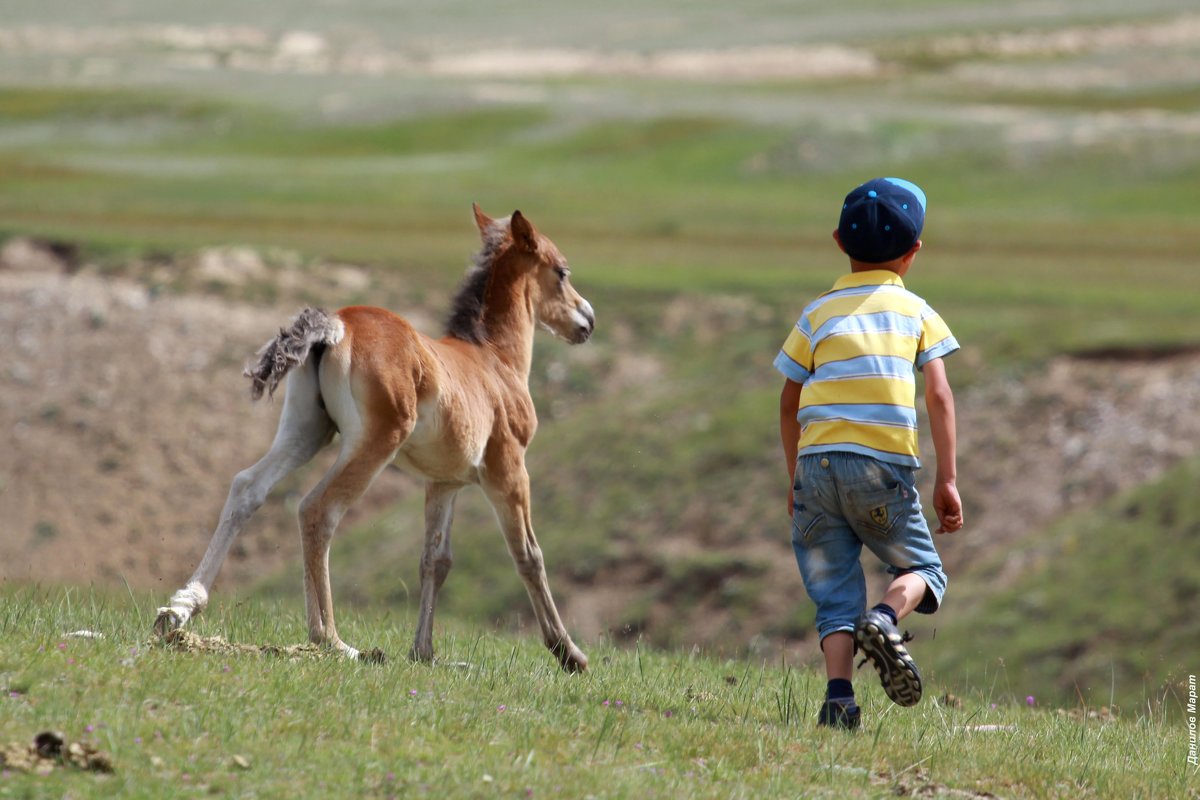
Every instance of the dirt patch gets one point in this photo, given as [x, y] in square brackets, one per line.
[188, 642]
[49, 751]
[124, 417]
[1066, 438]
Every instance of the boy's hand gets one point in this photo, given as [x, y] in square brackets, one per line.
[948, 506]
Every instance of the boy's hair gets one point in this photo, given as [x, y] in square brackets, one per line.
[881, 220]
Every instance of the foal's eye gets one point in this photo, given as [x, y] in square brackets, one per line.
[561, 272]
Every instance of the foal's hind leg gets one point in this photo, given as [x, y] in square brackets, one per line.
[362, 458]
[304, 428]
[507, 488]
[436, 561]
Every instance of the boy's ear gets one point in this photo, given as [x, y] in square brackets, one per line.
[524, 236]
[837, 237]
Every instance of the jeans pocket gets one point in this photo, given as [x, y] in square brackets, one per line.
[879, 511]
[805, 522]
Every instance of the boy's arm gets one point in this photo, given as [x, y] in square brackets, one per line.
[789, 430]
[939, 401]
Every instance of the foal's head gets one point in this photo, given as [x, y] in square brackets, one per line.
[556, 305]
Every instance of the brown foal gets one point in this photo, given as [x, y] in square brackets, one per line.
[455, 410]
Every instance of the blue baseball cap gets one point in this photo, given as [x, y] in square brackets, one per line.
[882, 219]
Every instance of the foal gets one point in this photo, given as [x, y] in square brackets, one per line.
[456, 411]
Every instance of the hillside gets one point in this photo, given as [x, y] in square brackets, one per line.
[666, 534]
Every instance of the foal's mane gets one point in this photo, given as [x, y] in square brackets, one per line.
[466, 310]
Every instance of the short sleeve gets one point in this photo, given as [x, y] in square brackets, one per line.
[936, 339]
[795, 359]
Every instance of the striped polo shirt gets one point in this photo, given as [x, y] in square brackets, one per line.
[853, 350]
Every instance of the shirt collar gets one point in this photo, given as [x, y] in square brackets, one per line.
[870, 277]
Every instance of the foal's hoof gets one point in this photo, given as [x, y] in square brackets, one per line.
[168, 620]
[571, 658]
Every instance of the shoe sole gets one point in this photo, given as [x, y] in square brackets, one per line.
[897, 671]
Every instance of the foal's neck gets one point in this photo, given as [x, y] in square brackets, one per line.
[508, 317]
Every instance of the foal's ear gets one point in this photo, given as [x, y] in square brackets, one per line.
[524, 236]
[482, 220]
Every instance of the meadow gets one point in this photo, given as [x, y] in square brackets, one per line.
[1058, 146]
[495, 717]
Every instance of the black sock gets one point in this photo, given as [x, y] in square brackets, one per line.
[887, 611]
[839, 689]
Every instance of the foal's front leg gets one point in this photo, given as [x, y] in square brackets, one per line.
[509, 495]
[436, 561]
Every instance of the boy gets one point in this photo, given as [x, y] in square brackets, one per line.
[848, 422]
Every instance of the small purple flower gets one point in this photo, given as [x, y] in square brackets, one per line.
[133, 651]
[668, 713]
[70, 662]
[89, 728]
[391, 777]
[62, 645]
[620, 703]
[14, 695]
[412, 692]
[993, 705]
[501, 708]
[637, 746]
[225, 668]
[137, 740]
[1029, 701]
[605, 703]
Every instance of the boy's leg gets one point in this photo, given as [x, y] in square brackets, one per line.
[827, 553]
[905, 593]
[891, 524]
[838, 649]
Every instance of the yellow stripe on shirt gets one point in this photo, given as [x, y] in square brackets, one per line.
[890, 391]
[906, 304]
[839, 348]
[876, 437]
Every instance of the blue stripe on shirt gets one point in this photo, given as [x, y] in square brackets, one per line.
[866, 367]
[791, 370]
[852, 291]
[943, 348]
[877, 322]
[865, 413]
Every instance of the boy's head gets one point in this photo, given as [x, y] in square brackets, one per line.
[881, 220]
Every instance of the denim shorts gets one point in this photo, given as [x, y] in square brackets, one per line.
[843, 501]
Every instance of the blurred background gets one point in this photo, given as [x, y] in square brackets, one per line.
[176, 180]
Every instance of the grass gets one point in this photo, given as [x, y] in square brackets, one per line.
[497, 718]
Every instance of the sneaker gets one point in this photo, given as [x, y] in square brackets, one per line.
[884, 647]
[840, 713]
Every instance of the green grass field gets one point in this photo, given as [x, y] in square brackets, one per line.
[497, 718]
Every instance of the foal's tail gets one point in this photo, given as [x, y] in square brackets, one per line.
[311, 331]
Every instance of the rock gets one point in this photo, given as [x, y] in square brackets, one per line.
[29, 254]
